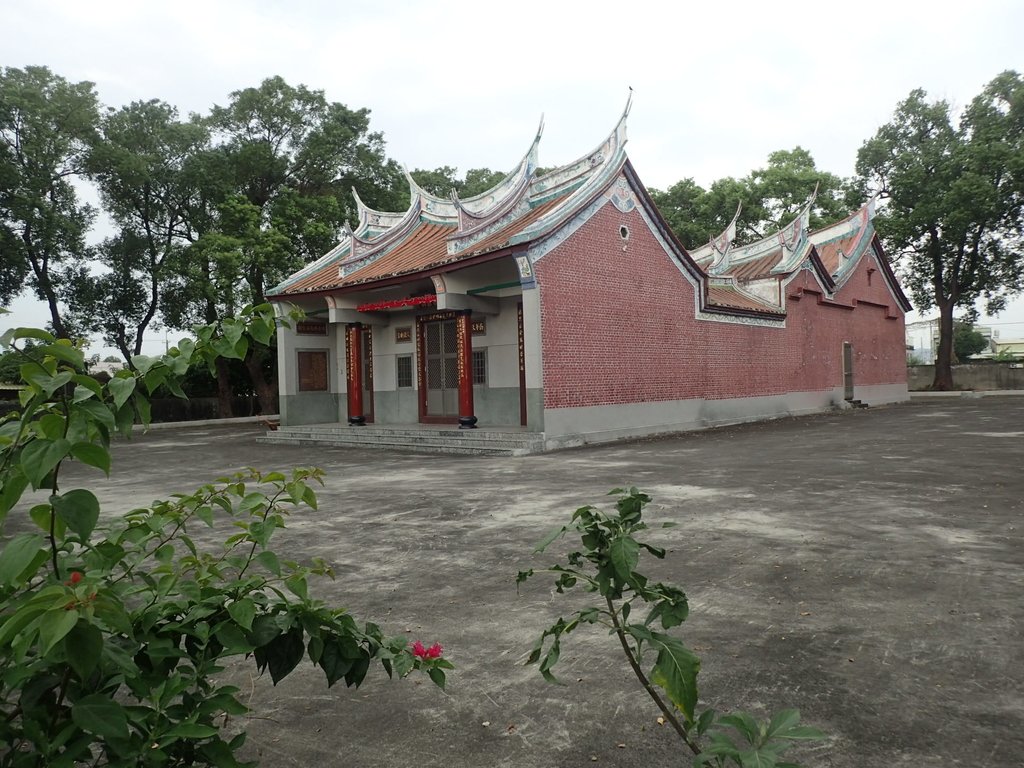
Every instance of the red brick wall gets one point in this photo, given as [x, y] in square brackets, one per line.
[618, 327]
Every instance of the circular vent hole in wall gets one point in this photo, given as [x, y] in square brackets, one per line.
[624, 232]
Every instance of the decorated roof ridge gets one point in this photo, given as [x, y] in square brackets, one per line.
[602, 165]
[437, 208]
[332, 255]
[719, 249]
[481, 206]
[848, 225]
[858, 226]
[364, 250]
[474, 230]
[794, 237]
[720, 244]
[368, 218]
[499, 205]
[564, 178]
[789, 237]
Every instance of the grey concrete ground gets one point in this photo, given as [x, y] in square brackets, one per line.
[865, 567]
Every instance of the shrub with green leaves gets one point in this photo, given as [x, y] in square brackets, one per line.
[640, 613]
[113, 632]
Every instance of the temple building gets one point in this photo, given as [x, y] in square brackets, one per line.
[562, 306]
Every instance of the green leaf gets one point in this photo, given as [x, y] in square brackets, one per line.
[802, 733]
[437, 676]
[101, 716]
[143, 363]
[51, 426]
[39, 457]
[93, 455]
[83, 647]
[355, 675]
[97, 412]
[42, 515]
[194, 731]
[12, 486]
[54, 626]
[65, 352]
[269, 561]
[121, 388]
[783, 720]
[144, 408]
[17, 556]
[49, 384]
[334, 662]
[624, 553]
[546, 541]
[743, 723]
[89, 384]
[219, 753]
[705, 721]
[79, 509]
[33, 333]
[676, 671]
[297, 585]
[758, 758]
[284, 653]
[243, 612]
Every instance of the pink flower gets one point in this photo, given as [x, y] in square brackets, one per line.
[433, 652]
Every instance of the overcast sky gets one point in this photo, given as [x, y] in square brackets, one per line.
[717, 86]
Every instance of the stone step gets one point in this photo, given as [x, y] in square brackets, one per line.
[431, 441]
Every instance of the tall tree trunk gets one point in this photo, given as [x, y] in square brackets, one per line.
[264, 385]
[944, 359]
[224, 394]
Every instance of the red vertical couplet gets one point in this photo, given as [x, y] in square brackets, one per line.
[354, 357]
[464, 334]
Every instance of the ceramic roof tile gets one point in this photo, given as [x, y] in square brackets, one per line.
[755, 268]
[829, 252]
[426, 247]
[727, 296]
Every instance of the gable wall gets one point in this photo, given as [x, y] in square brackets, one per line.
[618, 327]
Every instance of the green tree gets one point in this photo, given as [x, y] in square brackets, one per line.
[442, 181]
[780, 189]
[141, 166]
[439, 181]
[967, 341]
[479, 180]
[685, 206]
[46, 127]
[277, 186]
[954, 199]
[770, 197]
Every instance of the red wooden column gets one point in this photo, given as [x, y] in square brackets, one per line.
[354, 368]
[464, 335]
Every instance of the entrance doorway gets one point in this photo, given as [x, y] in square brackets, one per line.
[442, 368]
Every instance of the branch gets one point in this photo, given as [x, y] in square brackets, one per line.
[668, 713]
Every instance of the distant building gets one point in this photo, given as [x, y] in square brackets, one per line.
[564, 305]
[109, 368]
[1002, 349]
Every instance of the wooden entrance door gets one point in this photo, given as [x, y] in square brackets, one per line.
[441, 361]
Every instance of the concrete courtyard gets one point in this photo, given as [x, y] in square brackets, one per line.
[865, 567]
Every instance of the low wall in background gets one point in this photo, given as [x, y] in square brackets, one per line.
[979, 376]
